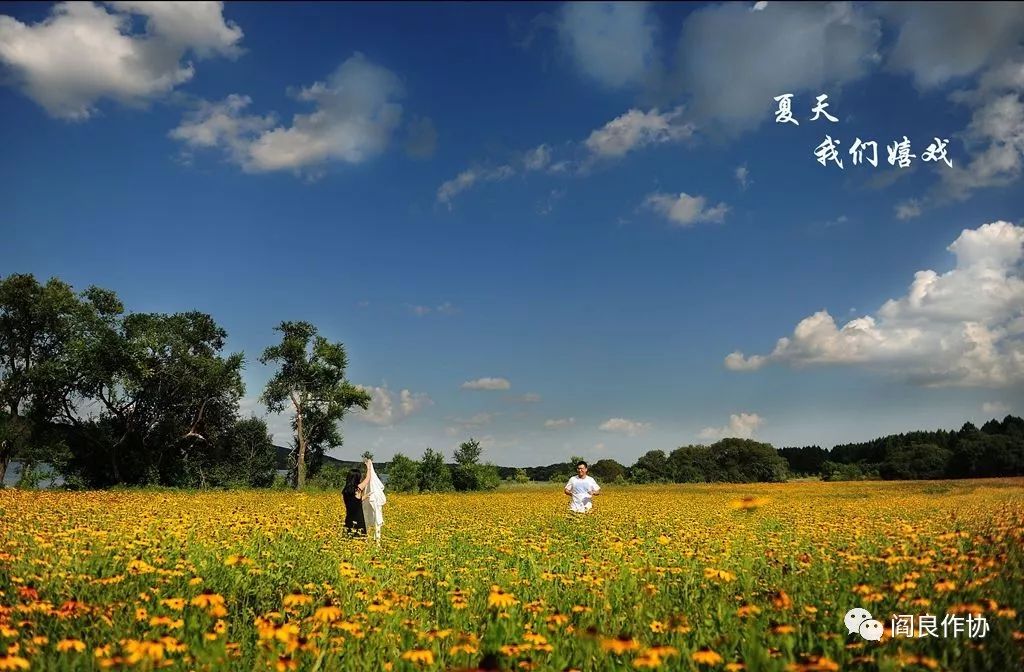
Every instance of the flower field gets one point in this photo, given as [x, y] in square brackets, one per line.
[728, 577]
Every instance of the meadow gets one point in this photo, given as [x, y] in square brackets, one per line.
[728, 577]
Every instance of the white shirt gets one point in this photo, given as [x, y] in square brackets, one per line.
[582, 489]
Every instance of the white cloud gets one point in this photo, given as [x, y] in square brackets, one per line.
[384, 411]
[743, 176]
[487, 384]
[636, 129]
[733, 61]
[741, 426]
[537, 158]
[995, 135]
[964, 327]
[624, 426]
[355, 115]
[612, 42]
[685, 210]
[447, 192]
[529, 398]
[908, 209]
[82, 52]
[559, 423]
[942, 41]
[446, 308]
[477, 420]
[759, 6]
[996, 409]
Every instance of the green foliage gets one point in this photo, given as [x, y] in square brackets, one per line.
[836, 471]
[250, 456]
[434, 474]
[328, 478]
[651, 467]
[607, 470]
[520, 476]
[403, 474]
[310, 382]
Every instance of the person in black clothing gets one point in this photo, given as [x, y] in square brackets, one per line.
[355, 523]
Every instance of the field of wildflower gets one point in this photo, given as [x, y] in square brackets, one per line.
[728, 577]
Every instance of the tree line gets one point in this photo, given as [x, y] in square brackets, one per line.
[108, 397]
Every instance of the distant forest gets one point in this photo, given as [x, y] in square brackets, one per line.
[102, 397]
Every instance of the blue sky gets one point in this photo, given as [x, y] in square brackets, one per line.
[562, 229]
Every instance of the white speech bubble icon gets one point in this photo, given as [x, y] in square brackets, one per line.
[854, 617]
[871, 630]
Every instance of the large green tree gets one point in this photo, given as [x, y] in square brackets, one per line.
[310, 380]
[150, 398]
[39, 326]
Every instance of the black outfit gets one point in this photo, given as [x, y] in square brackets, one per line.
[354, 520]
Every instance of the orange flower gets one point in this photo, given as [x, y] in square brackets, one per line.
[499, 599]
[707, 657]
[619, 645]
[75, 645]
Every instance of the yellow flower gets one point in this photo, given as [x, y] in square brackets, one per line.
[327, 614]
[13, 663]
[296, 600]
[719, 575]
[748, 503]
[175, 603]
[75, 645]
[419, 656]
[619, 645]
[499, 599]
[706, 657]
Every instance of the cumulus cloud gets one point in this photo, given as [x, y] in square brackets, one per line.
[741, 426]
[487, 384]
[636, 129]
[685, 210]
[537, 158]
[356, 113]
[908, 209]
[996, 409]
[559, 423]
[82, 53]
[994, 137]
[611, 42]
[962, 328]
[385, 410]
[743, 176]
[447, 192]
[942, 41]
[624, 426]
[733, 61]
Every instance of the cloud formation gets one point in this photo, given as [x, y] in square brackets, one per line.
[624, 426]
[961, 328]
[487, 384]
[741, 426]
[356, 113]
[685, 210]
[82, 53]
[611, 42]
[384, 410]
[559, 423]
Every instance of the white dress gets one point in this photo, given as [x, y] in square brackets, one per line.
[373, 503]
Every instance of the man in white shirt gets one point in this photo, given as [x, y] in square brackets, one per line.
[581, 489]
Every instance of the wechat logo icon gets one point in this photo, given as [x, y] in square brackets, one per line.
[859, 620]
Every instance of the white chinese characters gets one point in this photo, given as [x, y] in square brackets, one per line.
[861, 151]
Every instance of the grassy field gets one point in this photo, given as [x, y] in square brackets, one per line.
[753, 577]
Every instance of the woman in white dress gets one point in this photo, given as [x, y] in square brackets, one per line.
[371, 491]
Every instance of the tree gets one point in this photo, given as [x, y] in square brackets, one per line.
[403, 474]
[434, 473]
[746, 461]
[520, 476]
[651, 467]
[311, 379]
[250, 457]
[607, 470]
[916, 461]
[467, 461]
[37, 326]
